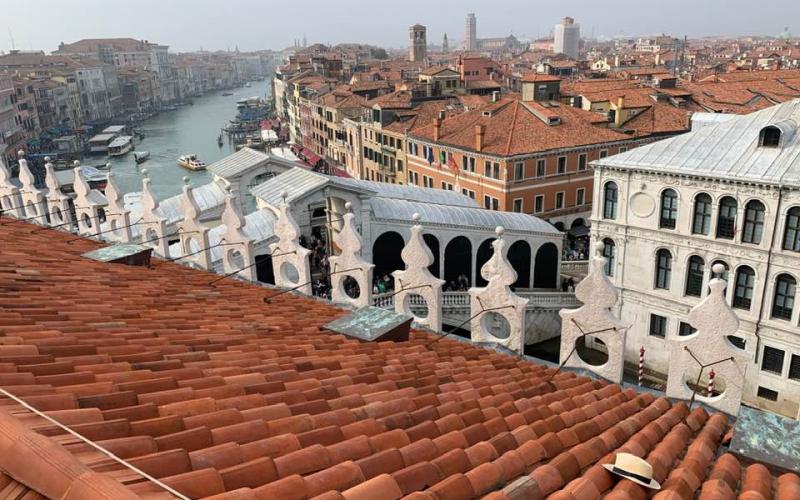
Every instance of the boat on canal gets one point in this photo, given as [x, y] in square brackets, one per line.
[120, 146]
[141, 156]
[191, 162]
[227, 93]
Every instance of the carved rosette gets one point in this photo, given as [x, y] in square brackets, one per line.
[290, 260]
[598, 296]
[193, 233]
[416, 277]
[238, 254]
[497, 295]
[118, 218]
[350, 260]
[714, 321]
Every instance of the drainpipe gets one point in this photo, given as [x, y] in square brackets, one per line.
[766, 275]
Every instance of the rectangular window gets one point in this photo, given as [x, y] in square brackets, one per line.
[541, 168]
[791, 236]
[658, 326]
[622, 149]
[753, 223]
[560, 200]
[518, 205]
[701, 224]
[768, 394]
[726, 220]
[694, 277]
[464, 163]
[487, 201]
[538, 204]
[399, 165]
[519, 171]
[562, 164]
[582, 161]
[794, 367]
[495, 204]
[603, 153]
[686, 329]
[772, 360]
[580, 197]
[783, 303]
[472, 164]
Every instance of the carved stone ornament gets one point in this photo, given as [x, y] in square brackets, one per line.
[290, 261]
[87, 208]
[193, 233]
[495, 304]
[238, 252]
[416, 279]
[709, 348]
[32, 197]
[598, 296]
[350, 261]
[10, 202]
[118, 218]
[153, 226]
[58, 203]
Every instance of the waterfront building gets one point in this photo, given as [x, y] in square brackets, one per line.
[726, 193]
[417, 43]
[567, 37]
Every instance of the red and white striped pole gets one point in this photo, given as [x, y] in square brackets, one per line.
[711, 376]
[641, 365]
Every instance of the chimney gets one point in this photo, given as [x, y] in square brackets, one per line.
[480, 132]
[495, 95]
[437, 128]
[618, 115]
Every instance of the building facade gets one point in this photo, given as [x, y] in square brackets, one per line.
[471, 33]
[567, 35]
[726, 193]
[417, 43]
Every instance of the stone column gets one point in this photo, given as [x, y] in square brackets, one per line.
[236, 240]
[287, 253]
[349, 242]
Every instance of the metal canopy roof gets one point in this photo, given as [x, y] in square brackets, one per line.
[726, 150]
[238, 163]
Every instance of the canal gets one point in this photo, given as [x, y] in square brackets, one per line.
[189, 129]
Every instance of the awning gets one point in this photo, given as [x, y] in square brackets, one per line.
[310, 156]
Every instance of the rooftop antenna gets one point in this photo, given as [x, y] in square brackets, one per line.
[11, 36]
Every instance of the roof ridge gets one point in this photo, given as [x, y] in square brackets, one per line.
[513, 124]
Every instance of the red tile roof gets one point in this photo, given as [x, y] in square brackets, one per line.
[214, 392]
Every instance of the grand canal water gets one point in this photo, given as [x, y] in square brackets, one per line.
[189, 129]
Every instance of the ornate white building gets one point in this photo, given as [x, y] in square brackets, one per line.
[729, 193]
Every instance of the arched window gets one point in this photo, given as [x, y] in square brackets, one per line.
[783, 302]
[743, 293]
[726, 219]
[610, 194]
[663, 269]
[701, 223]
[791, 236]
[770, 137]
[609, 251]
[753, 222]
[694, 276]
[669, 209]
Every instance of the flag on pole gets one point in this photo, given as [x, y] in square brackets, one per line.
[453, 166]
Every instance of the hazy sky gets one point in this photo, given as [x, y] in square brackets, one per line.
[256, 24]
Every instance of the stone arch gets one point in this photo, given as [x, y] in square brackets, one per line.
[386, 253]
[433, 243]
[559, 225]
[482, 256]
[458, 259]
[545, 269]
[519, 255]
[578, 222]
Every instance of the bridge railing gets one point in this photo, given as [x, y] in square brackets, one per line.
[460, 300]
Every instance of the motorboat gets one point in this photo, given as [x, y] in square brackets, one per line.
[120, 146]
[141, 156]
[191, 162]
[227, 93]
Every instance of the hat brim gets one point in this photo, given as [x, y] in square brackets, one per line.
[653, 484]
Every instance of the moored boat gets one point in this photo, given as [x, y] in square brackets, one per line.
[141, 156]
[191, 162]
[120, 146]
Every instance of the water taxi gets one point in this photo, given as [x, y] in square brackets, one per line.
[191, 162]
[100, 143]
[120, 146]
[141, 156]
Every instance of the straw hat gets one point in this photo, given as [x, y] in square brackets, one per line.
[635, 469]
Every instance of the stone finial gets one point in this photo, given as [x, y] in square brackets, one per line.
[10, 202]
[153, 226]
[33, 199]
[290, 260]
[598, 296]
[57, 201]
[497, 295]
[87, 208]
[118, 217]
[418, 280]
[709, 347]
[349, 241]
[194, 236]
[238, 254]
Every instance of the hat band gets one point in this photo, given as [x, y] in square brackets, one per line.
[625, 473]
